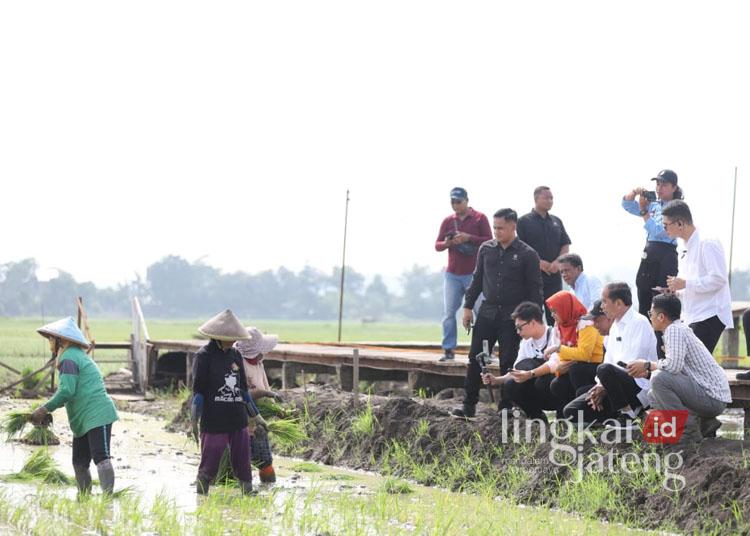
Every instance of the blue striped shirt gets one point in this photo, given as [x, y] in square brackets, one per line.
[655, 231]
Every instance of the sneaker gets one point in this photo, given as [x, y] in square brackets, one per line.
[449, 355]
[467, 411]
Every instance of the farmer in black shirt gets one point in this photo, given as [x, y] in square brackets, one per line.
[222, 402]
[507, 273]
[546, 234]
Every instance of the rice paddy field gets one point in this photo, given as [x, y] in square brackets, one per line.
[155, 473]
[21, 347]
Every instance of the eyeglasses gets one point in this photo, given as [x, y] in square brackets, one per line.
[519, 327]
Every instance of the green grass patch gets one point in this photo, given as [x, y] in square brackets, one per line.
[306, 467]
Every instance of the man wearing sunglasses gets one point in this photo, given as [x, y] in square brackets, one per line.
[461, 234]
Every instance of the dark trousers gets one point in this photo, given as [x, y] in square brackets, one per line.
[660, 261]
[575, 382]
[502, 331]
[212, 449]
[551, 283]
[709, 331]
[534, 395]
[746, 328]
[94, 444]
[579, 410]
[620, 386]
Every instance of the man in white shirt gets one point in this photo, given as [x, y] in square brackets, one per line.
[533, 396]
[688, 378]
[617, 394]
[587, 288]
[701, 282]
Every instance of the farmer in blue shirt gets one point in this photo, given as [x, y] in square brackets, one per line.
[659, 257]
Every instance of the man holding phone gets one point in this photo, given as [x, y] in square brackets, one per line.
[507, 273]
[659, 257]
[461, 234]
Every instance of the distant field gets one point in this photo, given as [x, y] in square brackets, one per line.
[20, 346]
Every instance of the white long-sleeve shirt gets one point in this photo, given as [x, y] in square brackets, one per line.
[587, 289]
[703, 266]
[630, 338]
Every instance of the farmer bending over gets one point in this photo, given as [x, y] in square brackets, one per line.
[222, 402]
[91, 411]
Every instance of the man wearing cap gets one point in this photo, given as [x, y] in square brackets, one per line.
[659, 257]
[222, 402]
[91, 411]
[461, 234]
[547, 235]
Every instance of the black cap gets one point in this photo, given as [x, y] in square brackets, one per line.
[666, 175]
[459, 193]
[595, 311]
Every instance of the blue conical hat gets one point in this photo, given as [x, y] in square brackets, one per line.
[65, 328]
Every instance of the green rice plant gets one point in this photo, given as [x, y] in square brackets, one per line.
[422, 428]
[14, 422]
[364, 424]
[30, 381]
[41, 435]
[268, 408]
[395, 486]
[286, 433]
[306, 467]
[40, 466]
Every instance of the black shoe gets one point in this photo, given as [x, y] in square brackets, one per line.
[449, 355]
[743, 376]
[623, 422]
[709, 427]
[467, 411]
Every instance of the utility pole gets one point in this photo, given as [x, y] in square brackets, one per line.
[731, 239]
[343, 266]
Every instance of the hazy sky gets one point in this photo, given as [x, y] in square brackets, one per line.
[230, 131]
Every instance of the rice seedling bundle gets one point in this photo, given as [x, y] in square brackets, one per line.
[14, 422]
[41, 435]
[286, 432]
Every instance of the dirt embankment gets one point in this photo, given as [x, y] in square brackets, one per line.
[418, 439]
[715, 496]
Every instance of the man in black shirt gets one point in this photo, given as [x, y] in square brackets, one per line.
[222, 402]
[546, 234]
[507, 273]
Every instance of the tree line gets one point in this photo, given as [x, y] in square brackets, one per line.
[176, 288]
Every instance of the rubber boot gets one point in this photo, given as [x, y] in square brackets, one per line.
[106, 476]
[267, 474]
[246, 487]
[201, 485]
[83, 479]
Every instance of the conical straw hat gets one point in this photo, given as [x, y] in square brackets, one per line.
[258, 343]
[65, 328]
[224, 327]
